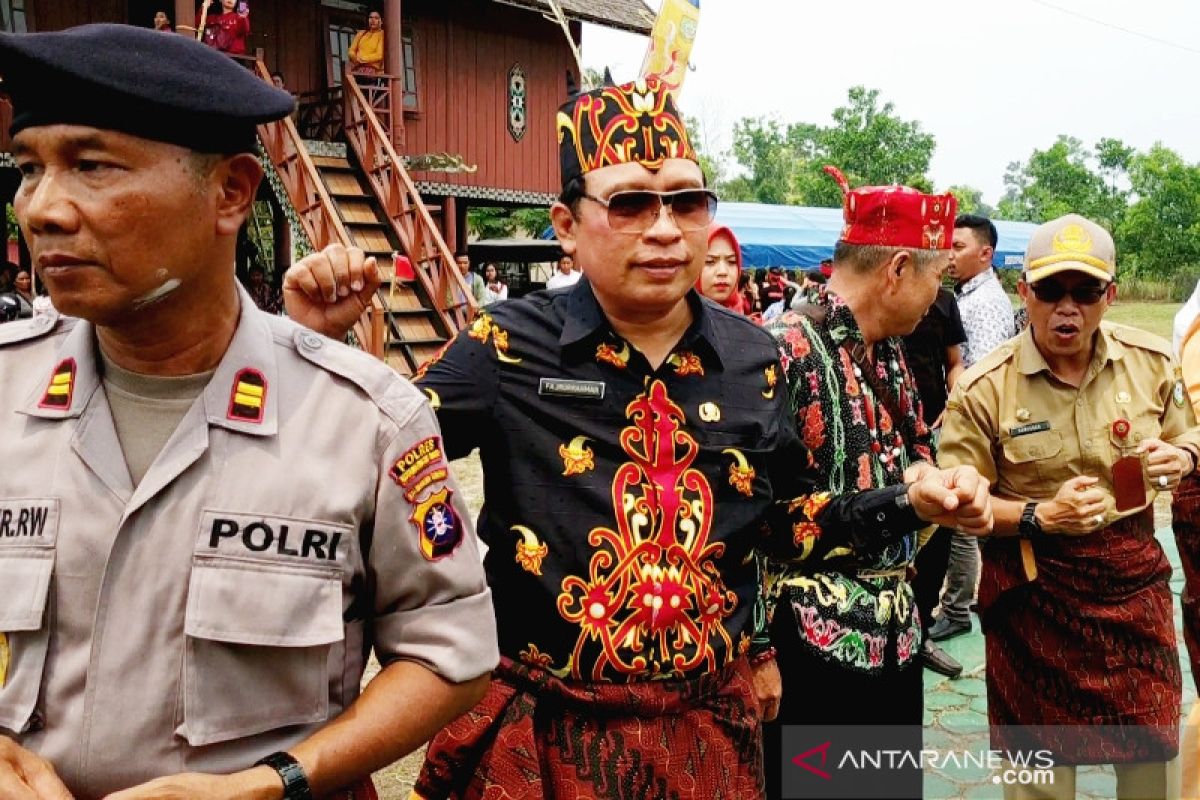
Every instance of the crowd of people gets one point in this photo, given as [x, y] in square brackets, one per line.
[713, 510]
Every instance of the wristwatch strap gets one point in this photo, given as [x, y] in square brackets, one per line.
[1029, 528]
[295, 782]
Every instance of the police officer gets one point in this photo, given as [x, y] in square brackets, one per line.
[1078, 423]
[218, 515]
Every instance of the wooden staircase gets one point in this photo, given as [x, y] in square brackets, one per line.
[414, 331]
[368, 200]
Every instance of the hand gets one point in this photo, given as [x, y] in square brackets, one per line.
[27, 776]
[328, 291]
[955, 498]
[1079, 507]
[918, 470]
[256, 783]
[1165, 460]
[768, 688]
[208, 3]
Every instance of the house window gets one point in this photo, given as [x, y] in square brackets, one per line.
[12, 16]
[340, 38]
[411, 99]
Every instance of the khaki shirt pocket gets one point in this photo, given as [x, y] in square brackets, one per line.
[1031, 462]
[25, 576]
[257, 649]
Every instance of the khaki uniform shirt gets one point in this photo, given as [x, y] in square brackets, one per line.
[222, 609]
[1028, 432]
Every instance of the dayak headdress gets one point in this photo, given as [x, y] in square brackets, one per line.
[895, 216]
[632, 123]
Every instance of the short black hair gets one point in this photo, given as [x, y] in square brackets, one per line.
[982, 226]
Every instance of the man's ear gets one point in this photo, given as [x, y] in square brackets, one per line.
[1023, 291]
[988, 253]
[236, 179]
[565, 225]
[900, 261]
[1111, 293]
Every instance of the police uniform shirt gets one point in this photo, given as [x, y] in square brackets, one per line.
[1028, 433]
[223, 608]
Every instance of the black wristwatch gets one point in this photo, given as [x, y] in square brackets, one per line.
[295, 782]
[1029, 527]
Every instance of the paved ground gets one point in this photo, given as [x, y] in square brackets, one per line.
[955, 710]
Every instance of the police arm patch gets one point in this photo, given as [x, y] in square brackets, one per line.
[438, 525]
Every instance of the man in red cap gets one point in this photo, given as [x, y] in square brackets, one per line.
[843, 620]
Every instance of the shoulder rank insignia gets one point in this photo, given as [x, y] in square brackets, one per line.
[438, 525]
[248, 397]
[62, 386]
[4, 658]
[1178, 394]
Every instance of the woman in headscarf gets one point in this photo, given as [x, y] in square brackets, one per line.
[722, 266]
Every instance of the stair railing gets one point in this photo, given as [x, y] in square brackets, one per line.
[407, 213]
[315, 208]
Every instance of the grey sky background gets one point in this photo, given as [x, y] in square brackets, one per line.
[991, 80]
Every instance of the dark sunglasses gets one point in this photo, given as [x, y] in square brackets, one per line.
[637, 210]
[1087, 294]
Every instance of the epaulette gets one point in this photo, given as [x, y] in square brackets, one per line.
[989, 363]
[395, 396]
[25, 330]
[1136, 337]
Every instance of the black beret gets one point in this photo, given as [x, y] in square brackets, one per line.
[155, 85]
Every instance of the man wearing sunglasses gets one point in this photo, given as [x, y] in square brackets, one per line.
[1078, 424]
[636, 441]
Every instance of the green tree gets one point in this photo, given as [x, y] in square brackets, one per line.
[866, 140]
[761, 148]
[1056, 181]
[710, 162]
[970, 201]
[1160, 232]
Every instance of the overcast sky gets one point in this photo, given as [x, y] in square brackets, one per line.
[990, 79]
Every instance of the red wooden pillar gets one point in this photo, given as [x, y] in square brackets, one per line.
[185, 17]
[450, 223]
[394, 65]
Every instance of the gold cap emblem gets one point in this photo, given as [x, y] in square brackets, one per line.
[1072, 239]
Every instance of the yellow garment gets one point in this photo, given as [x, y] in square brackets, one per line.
[367, 49]
[1028, 433]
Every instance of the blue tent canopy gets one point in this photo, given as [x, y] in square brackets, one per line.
[800, 236]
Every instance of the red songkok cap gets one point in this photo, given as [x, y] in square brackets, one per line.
[896, 216]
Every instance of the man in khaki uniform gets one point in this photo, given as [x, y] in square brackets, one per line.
[209, 516]
[1078, 424]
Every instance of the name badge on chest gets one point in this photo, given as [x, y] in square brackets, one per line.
[565, 387]
[1033, 427]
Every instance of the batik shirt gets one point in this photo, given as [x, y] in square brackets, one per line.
[849, 594]
[623, 502]
[987, 315]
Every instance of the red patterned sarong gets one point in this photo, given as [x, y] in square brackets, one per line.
[534, 736]
[1185, 513]
[1086, 647]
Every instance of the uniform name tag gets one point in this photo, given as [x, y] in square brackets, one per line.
[1033, 427]
[563, 387]
[272, 538]
[29, 521]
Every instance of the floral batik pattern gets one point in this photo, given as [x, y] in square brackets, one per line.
[847, 603]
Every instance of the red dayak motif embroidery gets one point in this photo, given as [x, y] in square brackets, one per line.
[654, 600]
